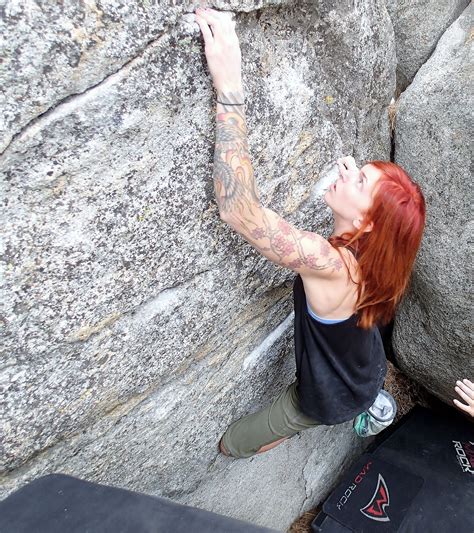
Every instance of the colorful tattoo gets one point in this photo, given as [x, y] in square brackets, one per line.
[234, 180]
[237, 198]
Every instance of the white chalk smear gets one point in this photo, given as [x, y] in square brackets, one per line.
[252, 359]
[329, 176]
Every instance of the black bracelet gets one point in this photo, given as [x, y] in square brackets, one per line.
[225, 103]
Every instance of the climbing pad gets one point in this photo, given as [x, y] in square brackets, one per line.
[63, 504]
[419, 476]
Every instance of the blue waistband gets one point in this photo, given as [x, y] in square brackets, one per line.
[324, 320]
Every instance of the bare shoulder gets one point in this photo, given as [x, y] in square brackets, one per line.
[336, 296]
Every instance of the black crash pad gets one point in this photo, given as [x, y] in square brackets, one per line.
[418, 476]
[63, 504]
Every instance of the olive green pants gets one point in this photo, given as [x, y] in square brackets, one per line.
[282, 418]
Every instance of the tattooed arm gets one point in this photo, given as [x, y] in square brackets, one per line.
[239, 205]
[237, 197]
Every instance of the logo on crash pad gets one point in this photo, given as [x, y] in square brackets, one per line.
[465, 455]
[375, 509]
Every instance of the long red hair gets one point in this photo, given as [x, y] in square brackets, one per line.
[386, 254]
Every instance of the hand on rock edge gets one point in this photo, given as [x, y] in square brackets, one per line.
[222, 49]
[465, 390]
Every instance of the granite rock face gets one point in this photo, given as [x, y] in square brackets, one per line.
[305, 469]
[136, 324]
[53, 50]
[418, 25]
[433, 330]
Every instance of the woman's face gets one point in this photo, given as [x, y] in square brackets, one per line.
[351, 195]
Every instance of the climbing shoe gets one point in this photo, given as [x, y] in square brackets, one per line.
[377, 417]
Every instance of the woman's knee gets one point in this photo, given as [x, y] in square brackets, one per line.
[234, 444]
[222, 448]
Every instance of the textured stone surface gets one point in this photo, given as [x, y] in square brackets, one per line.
[433, 330]
[304, 470]
[52, 50]
[135, 323]
[163, 442]
[418, 24]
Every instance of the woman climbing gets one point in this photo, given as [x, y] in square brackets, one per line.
[345, 285]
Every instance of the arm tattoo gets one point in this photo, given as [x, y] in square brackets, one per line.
[284, 239]
[234, 180]
[237, 195]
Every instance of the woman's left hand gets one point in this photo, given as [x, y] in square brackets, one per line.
[222, 49]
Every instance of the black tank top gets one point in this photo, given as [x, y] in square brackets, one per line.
[340, 367]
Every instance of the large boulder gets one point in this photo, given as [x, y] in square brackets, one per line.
[433, 329]
[418, 25]
[136, 324]
[53, 50]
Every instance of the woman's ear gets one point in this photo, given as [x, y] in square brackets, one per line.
[357, 222]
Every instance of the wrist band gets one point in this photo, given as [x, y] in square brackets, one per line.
[225, 103]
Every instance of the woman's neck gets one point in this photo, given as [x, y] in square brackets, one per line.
[341, 227]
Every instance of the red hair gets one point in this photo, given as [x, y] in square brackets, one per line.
[387, 253]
